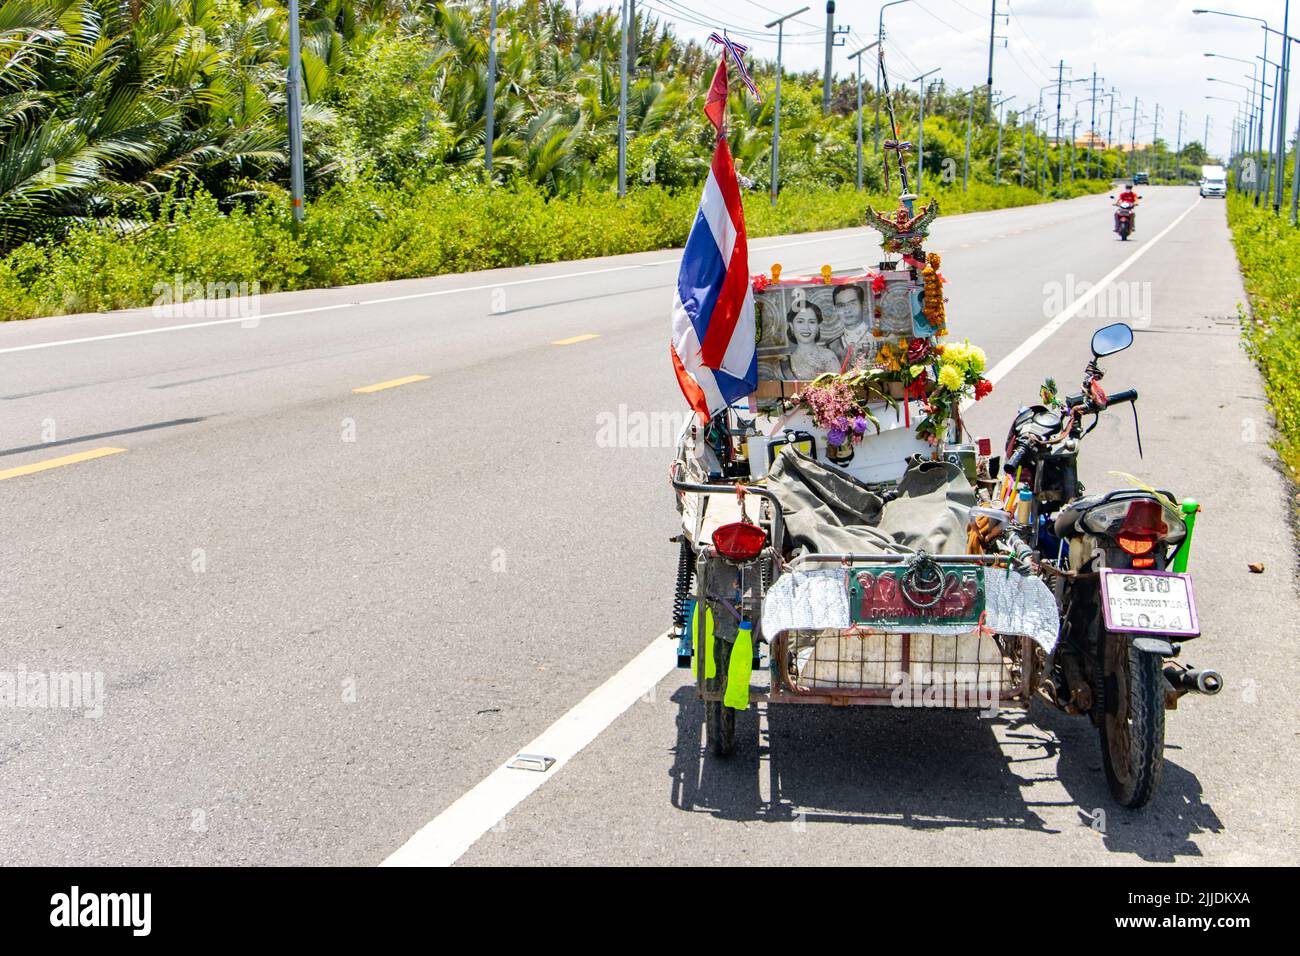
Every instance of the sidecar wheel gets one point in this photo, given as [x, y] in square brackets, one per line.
[1132, 724]
[720, 721]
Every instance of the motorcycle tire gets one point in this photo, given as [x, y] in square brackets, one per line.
[1131, 703]
[719, 720]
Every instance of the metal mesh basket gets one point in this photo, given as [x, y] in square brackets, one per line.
[869, 664]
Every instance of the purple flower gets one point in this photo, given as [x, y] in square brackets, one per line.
[860, 424]
[837, 436]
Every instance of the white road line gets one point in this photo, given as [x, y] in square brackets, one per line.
[1019, 353]
[443, 840]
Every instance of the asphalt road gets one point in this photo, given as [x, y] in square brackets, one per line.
[322, 616]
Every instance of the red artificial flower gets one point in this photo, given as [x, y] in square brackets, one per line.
[877, 283]
[917, 350]
[982, 388]
[760, 283]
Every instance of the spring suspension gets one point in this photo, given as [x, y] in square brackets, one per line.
[685, 573]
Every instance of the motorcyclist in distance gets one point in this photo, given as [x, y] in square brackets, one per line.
[1129, 196]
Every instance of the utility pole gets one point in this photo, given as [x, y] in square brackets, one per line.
[492, 95]
[1042, 144]
[920, 129]
[622, 107]
[632, 34]
[1133, 140]
[1074, 138]
[880, 64]
[1178, 149]
[832, 33]
[1155, 134]
[1284, 68]
[1092, 125]
[1060, 89]
[993, 26]
[1110, 123]
[858, 56]
[997, 160]
[1024, 131]
[296, 185]
[776, 114]
[970, 117]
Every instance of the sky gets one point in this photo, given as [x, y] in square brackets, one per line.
[1149, 49]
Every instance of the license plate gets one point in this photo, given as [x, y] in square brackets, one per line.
[1149, 602]
[881, 596]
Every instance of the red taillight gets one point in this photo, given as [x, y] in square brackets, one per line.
[1143, 526]
[739, 541]
[1136, 543]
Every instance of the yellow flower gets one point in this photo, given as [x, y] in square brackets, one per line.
[950, 378]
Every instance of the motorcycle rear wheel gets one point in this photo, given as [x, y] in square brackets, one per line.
[1132, 724]
[719, 720]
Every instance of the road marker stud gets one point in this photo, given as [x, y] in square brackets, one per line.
[49, 463]
[380, 386]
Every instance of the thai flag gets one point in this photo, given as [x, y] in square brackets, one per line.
[713, 311]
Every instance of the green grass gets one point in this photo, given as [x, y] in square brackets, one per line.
[373, 233]
[1268, 248]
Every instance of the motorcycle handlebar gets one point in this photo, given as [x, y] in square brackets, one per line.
[1119, 398]
[1017, 456]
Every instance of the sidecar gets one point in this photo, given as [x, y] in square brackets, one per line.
[808, 576]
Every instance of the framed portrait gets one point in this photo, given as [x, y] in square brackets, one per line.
[807, 328]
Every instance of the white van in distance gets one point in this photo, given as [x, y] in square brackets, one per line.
[1214, 181]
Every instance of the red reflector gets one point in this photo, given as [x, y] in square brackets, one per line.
[739, 541]
[1143, 562]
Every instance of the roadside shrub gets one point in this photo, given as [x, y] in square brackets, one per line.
[1268, 249]
[370, 231]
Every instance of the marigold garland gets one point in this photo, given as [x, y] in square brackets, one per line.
[934, 311]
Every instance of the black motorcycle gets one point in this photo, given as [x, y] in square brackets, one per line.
[1116, 563]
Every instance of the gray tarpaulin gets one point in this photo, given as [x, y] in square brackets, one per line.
[828, 511]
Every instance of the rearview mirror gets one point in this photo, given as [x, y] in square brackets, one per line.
[1111, 339]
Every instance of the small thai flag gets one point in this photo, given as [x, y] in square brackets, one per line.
[737, 52]
[713, 346]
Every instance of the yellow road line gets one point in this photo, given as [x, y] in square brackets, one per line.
[58, 462]
[576, 339]
[366, 389]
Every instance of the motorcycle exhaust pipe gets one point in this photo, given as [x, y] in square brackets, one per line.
[1197, 681]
